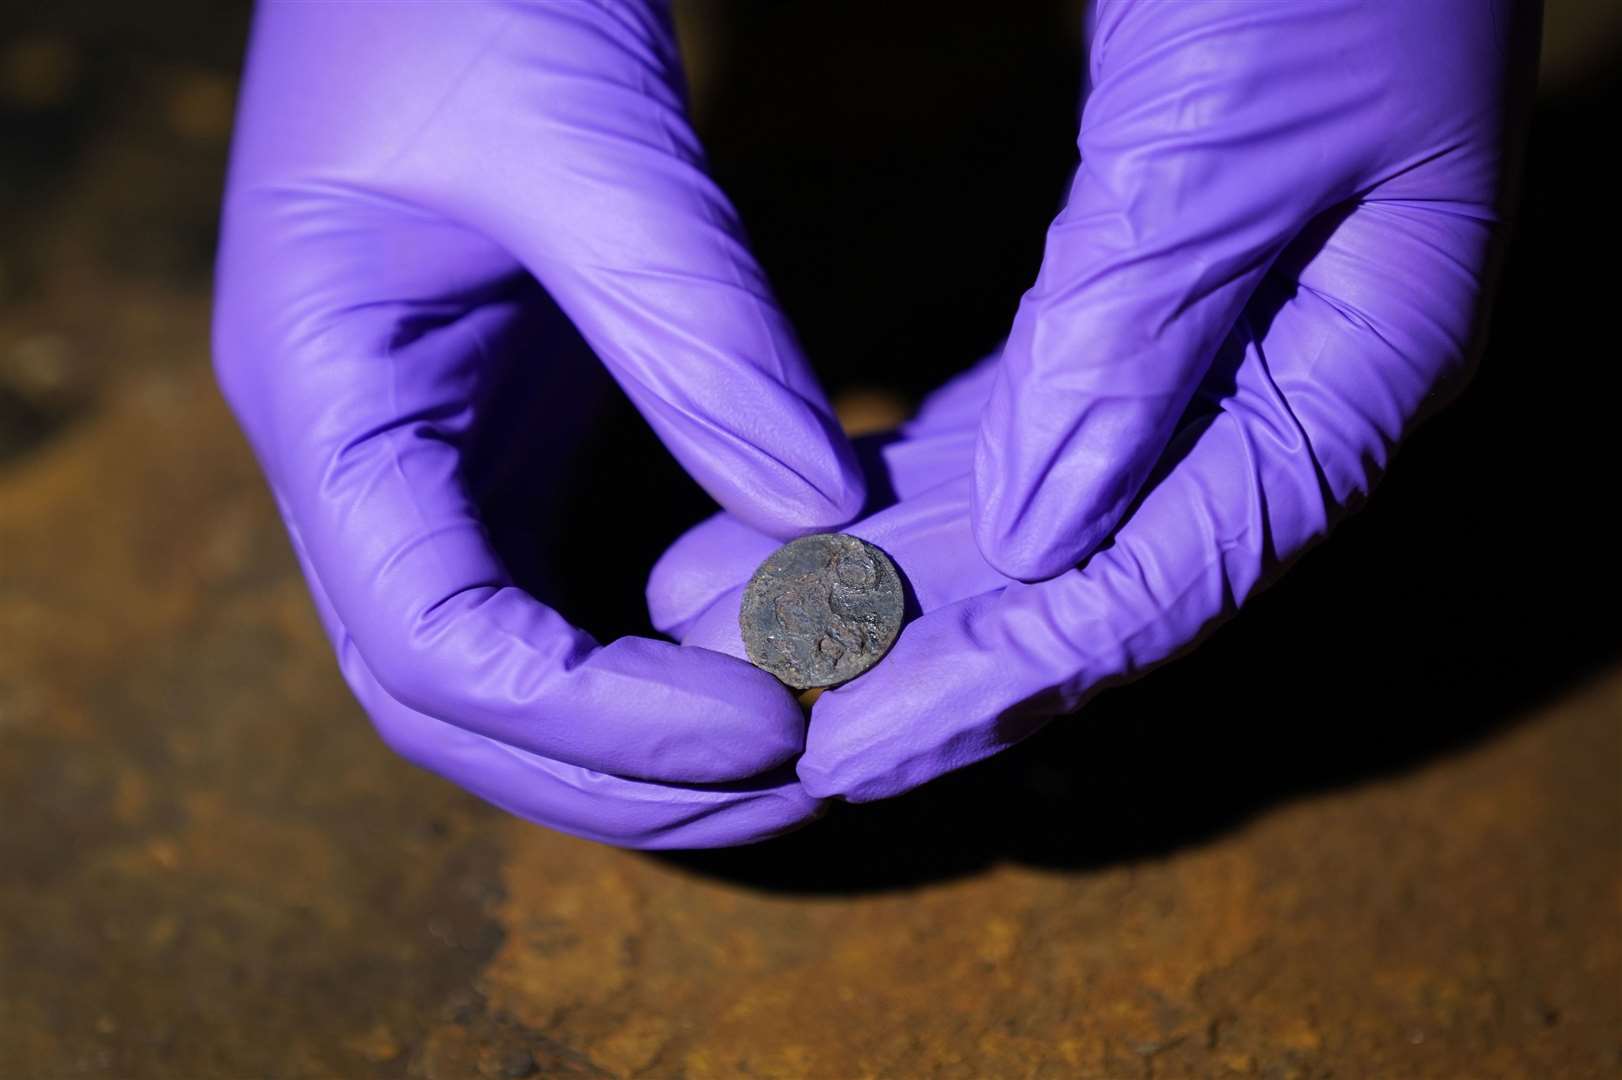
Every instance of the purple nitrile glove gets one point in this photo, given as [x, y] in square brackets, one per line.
[1271, 264]
[403, 176]
[1351, 152]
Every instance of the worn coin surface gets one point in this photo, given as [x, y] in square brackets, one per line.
[821, 610]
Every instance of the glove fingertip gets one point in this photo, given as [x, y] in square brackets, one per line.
[835, 782]
[1020, 555]
[817, 781]
[810, 501]
[1021, 541]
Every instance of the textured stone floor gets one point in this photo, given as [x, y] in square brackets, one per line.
[210, 868]
[1310, 850]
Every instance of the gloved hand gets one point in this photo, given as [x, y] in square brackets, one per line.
[1271, 263]
[1348, 153]
[403, 176]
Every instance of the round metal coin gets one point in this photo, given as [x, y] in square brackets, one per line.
[821, 610]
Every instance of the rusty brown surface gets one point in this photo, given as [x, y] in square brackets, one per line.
[210, 867]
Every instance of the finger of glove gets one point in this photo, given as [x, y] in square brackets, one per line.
[932, 448]
[1375, 318]
[719, 554]
[1212, 134]
[1344, 364]
[568, 142]
[373, 488]
[582, 802]
[928, 451]
[594, 805]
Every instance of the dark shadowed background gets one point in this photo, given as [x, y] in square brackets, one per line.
[1374, 827]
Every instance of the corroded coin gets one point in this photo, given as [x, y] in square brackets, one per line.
[821, 610]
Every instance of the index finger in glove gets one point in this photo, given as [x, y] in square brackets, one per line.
[559, 132]
[375, 497]
[579, 801]
[933, 449]
[1213, 133]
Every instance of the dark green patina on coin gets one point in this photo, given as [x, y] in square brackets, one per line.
[821, 610]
